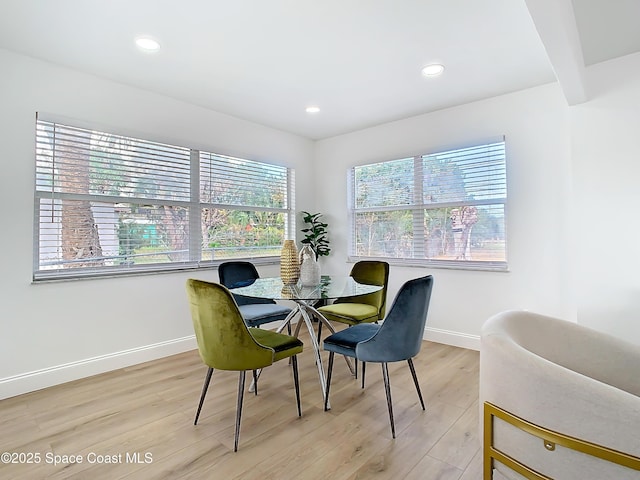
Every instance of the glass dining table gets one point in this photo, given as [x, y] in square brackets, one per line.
[305, 297]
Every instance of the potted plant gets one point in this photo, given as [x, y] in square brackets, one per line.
[315, 235]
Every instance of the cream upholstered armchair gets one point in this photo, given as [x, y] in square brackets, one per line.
[558, 401]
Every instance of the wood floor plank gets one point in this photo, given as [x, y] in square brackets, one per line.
[474, 469]
[430, 468]
[459, 445]
[399, 457]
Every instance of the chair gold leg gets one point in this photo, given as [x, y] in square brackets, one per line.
[239, 408]
[205, 387]
[387, 389]
[415, 381]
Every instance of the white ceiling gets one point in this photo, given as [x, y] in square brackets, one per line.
[358, 60]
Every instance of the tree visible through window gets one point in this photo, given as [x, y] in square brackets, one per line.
[107, 204]
[443, 209]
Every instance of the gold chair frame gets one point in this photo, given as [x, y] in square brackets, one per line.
[550, 439]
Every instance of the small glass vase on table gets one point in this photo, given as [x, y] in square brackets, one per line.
[309, 267]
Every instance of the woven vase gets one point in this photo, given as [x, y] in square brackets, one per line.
[289, 266]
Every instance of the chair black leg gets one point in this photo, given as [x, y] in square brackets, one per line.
[355, 362]
[319, 330]
[255, 382]
[296, 383]
[205, 387]
[387, 389]
[329, 370]
[415, 381]
[363, 370]
[239, 408]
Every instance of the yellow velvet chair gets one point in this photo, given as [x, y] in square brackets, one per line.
[226, 343]
[369, 308]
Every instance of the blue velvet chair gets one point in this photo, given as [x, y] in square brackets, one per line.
[255, 311]
[398, 338]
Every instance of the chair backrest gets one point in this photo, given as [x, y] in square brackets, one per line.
[237, 274]
[224, 341]
[371, 272]
[400, 335]
[240, 274]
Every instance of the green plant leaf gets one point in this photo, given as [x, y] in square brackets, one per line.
[315, 234]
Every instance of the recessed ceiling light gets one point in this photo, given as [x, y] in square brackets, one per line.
[312, 109]
[433, 70]
[147, 44]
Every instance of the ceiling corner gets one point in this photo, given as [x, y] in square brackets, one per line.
[556, 25]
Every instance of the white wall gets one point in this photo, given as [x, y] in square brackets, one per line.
[59, 331]
[535, 124]
[606, 172]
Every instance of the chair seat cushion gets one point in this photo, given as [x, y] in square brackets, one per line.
[344, 342]
[283, 345]
[350, 313]
[259, 313]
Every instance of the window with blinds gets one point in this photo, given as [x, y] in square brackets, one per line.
[108, 204]
[444, 209]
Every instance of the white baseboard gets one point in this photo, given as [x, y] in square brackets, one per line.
[457, 339]
[47, 377]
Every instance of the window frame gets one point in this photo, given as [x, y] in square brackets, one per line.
[419, 207]
[194, 205]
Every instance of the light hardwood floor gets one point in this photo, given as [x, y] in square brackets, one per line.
[147, 410]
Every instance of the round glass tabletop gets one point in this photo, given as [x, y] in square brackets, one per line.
[330, 287]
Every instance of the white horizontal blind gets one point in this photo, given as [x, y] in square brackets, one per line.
[234, 181]
[465, 175]
[442, 209]
[109, 204]
[384, 184]
[252, 200]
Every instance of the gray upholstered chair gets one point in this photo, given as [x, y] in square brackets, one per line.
[255, 311]
[558, 400]
[398, 338]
